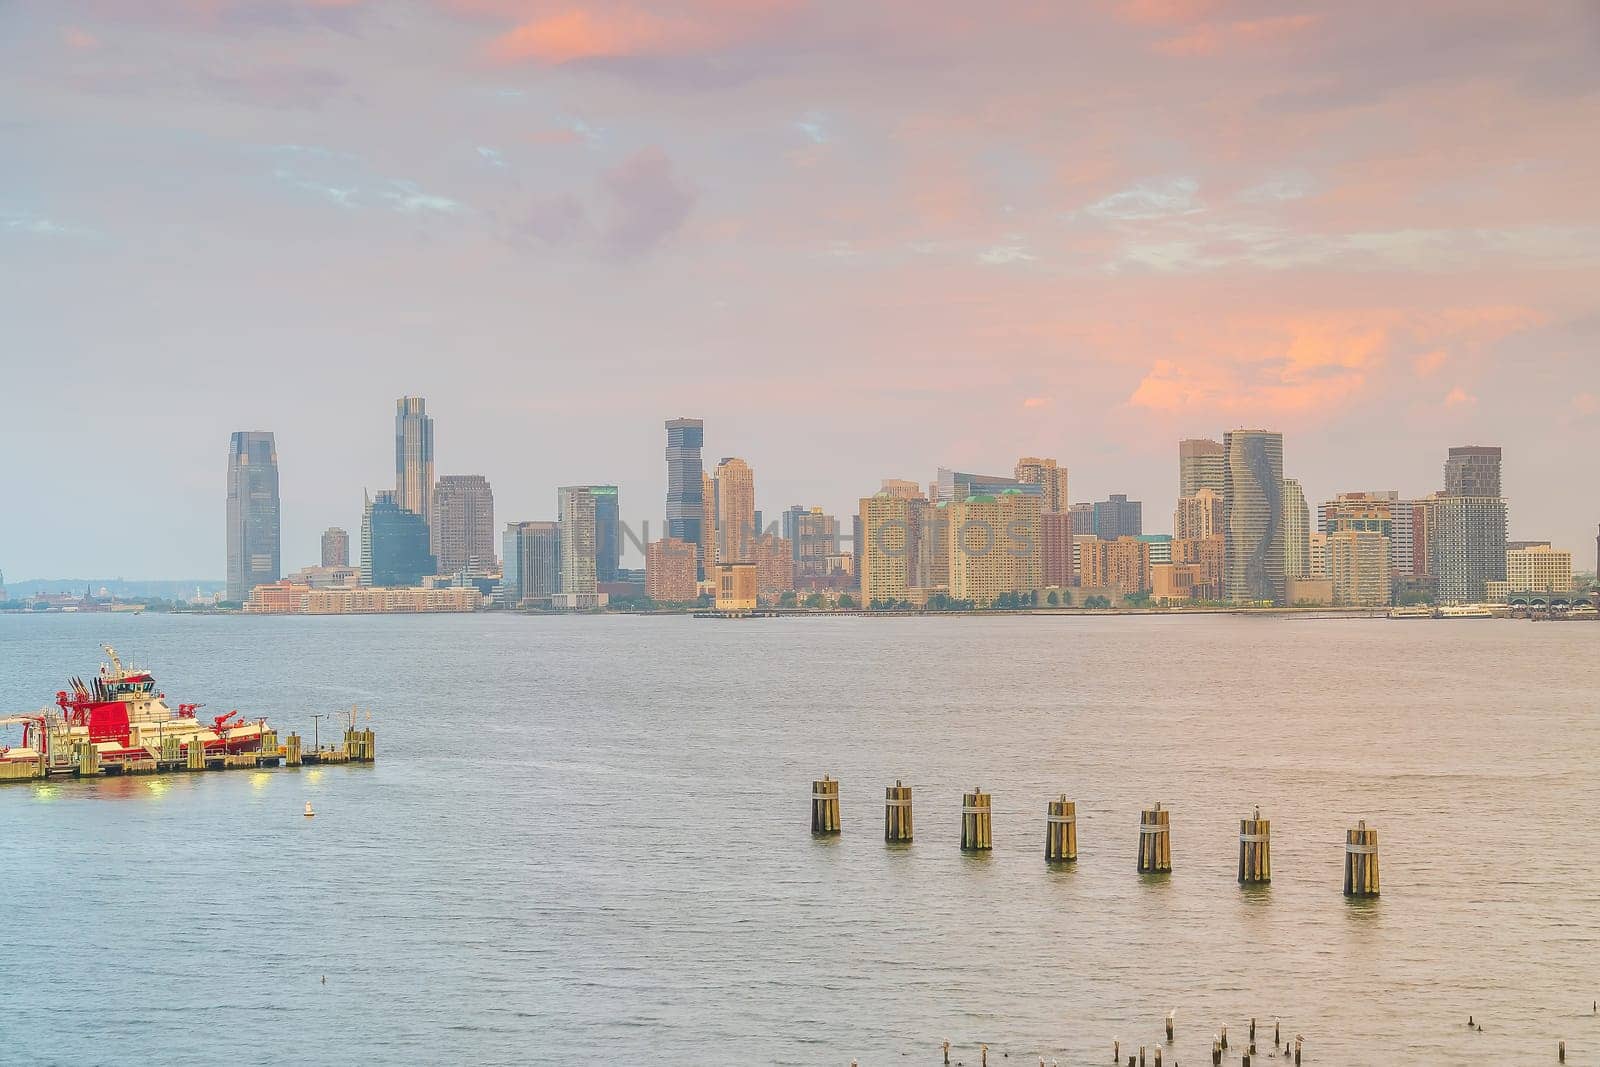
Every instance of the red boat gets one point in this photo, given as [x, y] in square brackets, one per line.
[126, 719]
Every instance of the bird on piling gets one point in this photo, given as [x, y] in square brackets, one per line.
[324, 979]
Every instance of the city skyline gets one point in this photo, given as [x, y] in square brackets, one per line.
[1147, 221]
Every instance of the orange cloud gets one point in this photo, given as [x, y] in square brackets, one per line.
[1164, 12]
[615, 31]
[1211, 39]
[1429, 362]
[1460, 398]
[79, 40]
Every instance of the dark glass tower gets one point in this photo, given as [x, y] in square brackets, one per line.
[685, 469]
[394, 544]
[253, 553]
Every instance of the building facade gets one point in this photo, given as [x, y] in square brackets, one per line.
[1198, 516]
[531, 570]
[1252, 503]
[774, 560]
[1206, 555]
[994, 546]
[1082, 519]
[1466, 545]
[670, 566]
[882, 548]
[736, 586]
[1358, 566]
[1200, 466]
[576, 511]
[413, 456]
[1296, 531]
[1118, 517]
[394, 544]
[736, 511]
[254, 553]
[1049, 476]
[815, 537]
[1055, 549]
[1123, 565]
[1473, 470]
[686, 477]
[1538, 568]
[461, 533]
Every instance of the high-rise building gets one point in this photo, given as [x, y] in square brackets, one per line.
[394, 543]
[708, 523]
[814, 536]
[254, 556]
[1466, 545]
[882, 548]
[461, 533]
[1055, 544]
[1118, 517]
[1252, 503]
[1200, 466]
[994, 546]
[669, 571]
[1472, 470]
[607, 531]
[685, 482]
[1122, 564]
[1317, 557]
[1358, 564]
[736, 511]
[579, 575]
[335, 547]
[1538, 568]
[774, 560]
[1206, 555]
[1296, 531]
[1082, 519]
[532, 566]
[1049, 476]
[958, 485]
[413, 457]
[1198, 516]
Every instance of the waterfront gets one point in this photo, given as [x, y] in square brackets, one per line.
[586, 841]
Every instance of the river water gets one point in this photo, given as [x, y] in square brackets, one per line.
[586, 841]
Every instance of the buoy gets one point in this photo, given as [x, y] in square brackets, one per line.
[309, 812]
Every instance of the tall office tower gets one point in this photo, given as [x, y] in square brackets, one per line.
[607, 531]
[1197, 517]
[736, 511]
[1466, 545]
[1118, 517]
[1082, 519]
[1055, 548]
[335, 547]
[883, 547]
[814, 536]
[579, 574]
[413, 456]
[1049, 476]
[1200, 466]
[1252, 507]
[708, 522]
[394, 543]
[1472, 470]
[1296, 531]
[253, 553]
[532, 566]
[669, 570]
[461, 534]
[685, 482]
[994, 545]
[1358, 563]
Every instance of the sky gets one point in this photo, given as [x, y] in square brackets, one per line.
[860, 240]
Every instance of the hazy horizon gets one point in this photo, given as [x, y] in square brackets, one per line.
[859, 242]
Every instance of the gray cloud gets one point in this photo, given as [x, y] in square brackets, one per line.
[648, 203]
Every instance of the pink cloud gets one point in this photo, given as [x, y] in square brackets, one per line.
[1460, 398]
[624, 30]
[1209, 39]
[79, 39]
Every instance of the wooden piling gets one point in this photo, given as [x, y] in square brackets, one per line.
[1561, 1052]
[975, 835]
[291, 750]
[195, 753]
[1158, 1056]
[1169, 1027]
[825, 806]
[1061, 831]
[171, 749]
[897, 813]
[369, 746]
[1297, 1040]
[1155, 841]
[1361, 861]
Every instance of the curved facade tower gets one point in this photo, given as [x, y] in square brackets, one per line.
[1253, 516]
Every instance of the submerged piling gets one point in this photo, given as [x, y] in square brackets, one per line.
[897, 813]
[1155, 841]
[1061, 831]
[825, 806]
[1361, 861]
[975, 827]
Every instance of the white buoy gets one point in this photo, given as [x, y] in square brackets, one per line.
[309, 812]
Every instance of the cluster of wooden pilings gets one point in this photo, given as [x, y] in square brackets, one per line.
[1219, 1049]
[1061, 834]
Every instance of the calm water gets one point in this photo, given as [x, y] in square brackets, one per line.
[586, 842]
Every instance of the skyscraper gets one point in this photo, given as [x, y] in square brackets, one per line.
[1466, 545]
[532, 567]
[814, 536]
[579, 574]
[253, 549]
[994, 547]
[1049, 476]
[1252, 506]
[883, 547]
[1198, 516]
[607, 532]
[413, 456]
[461, 534]
[1472, 470]
[1118, 517]
[394, 543]
[1296, 531]
[708, 523]
[1200, 466]
[1055, 548]
[736, 511]
[335, 547]
[685, 477]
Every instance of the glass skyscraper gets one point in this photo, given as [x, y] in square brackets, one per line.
[253, 548]
[685, 477]
[394, 544]
[1253, 520]
[413, 457]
